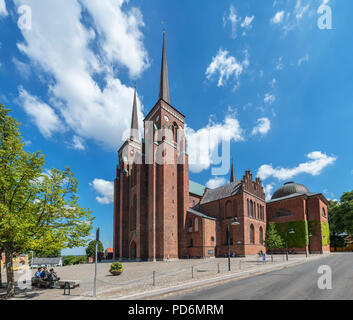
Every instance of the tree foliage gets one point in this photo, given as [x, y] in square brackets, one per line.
[36, 206]
[340, 216]
[273, 238]
[91, 249]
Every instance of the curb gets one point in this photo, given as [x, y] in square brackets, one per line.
[200, 283]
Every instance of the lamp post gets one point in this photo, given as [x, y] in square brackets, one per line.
[234, 223]
[291, 231]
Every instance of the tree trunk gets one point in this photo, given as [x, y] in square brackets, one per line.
[9, 271]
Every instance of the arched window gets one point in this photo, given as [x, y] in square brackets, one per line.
[252, 235]
[175, 131]
[229, 209]
[323, 212]
[196, 225]
[251, 209]
[261, 236]
[212, 239]
[248, 207]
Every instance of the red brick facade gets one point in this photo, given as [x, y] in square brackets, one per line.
[156, 214]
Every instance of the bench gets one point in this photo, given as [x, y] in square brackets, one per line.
[73, 283]
[37, 282]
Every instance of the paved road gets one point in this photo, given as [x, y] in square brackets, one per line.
[298, 282]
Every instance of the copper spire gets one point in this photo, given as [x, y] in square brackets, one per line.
[134, 121]
[164, 83]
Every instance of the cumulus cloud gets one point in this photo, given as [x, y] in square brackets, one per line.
[3, 10]
[203, 143]
[263, 126]
[43, 116]
[105, 189]
[278, 17]
[226, 66]
[62, 46]
[247, 22]
[216, 182]
[268, 191]
[317, 162]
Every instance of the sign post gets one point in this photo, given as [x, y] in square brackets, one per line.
[95, 267]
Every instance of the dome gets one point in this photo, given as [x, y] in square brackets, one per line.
[290, 188]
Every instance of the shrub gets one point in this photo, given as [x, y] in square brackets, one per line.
[116, 266]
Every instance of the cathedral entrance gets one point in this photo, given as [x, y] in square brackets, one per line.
[133, 250]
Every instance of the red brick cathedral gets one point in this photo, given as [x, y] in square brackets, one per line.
[160, 214]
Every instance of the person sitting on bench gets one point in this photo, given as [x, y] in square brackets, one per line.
[38, 273]
[52, 276]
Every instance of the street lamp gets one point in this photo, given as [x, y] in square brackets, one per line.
[234, 223]
[291, 231]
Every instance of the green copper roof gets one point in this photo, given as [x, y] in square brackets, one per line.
[196, 188]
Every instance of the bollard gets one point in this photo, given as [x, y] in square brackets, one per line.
[192, 272]
[218, 269]
[239, 264]
[67, 287]
[154, 278]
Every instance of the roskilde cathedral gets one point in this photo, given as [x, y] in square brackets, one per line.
[160, 214]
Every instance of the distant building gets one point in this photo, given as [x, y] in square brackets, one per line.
[108, 254]
[47, 262]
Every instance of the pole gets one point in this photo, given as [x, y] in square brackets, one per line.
[154, 278]
[95, 272]
[32, 261]
[228, 240]
[287, 245]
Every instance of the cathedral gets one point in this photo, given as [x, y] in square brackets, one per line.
[160, 214]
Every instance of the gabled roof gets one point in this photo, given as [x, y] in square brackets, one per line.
[195, 211]
[222, 192]
[196, 188]
[46, 261]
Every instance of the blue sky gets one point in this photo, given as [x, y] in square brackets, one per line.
[260, 73]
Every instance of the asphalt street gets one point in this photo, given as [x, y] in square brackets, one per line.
[299, 282]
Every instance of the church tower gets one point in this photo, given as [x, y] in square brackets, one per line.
[168, 174]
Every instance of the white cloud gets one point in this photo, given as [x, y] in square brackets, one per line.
[302, 60]
[268, 191]
[317, 162]
[216, 182]
[278, 17]
[273, 83]
[62, 46]
[78, 143]
[105, 189]
[42, 114]
[233, 19]
[269, 98]
[247, 22]
[23, 68]
[300, 10]
[226, 66]
[279, 64]
[203, 143]
[263, 127]
[3, 10]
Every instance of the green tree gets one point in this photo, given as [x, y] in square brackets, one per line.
[346, 205]
[337, 225]
[273, 238]
[36, 207]
[91, 249]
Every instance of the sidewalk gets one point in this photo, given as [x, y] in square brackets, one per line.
[146, 279]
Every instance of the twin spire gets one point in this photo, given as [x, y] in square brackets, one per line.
[163, 93]
[164, 82]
